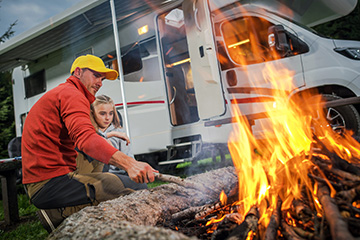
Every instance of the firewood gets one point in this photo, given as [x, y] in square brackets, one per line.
[289, 232]
[325, 181]
[336, 161]
[349, 195]
[199, 211]
[342, 174]
[338, 227]
[226, 226]
[271, 230]
[354, 226]
[304, 234]
[207, 209]
[249, 224]
[188, 213]
[302, 210]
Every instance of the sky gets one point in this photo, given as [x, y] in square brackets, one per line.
[29, 13]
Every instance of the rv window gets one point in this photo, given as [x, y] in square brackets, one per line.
[35, 84]
[246, 40]
[131, 58]
[140, 62]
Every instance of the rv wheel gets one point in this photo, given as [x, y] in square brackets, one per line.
[343, 117]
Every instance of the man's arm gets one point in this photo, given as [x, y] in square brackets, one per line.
[139, 172]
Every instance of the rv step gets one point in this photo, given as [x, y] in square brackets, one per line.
[173, 161]
[179, 145]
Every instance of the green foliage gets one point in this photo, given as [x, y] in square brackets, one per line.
[25, 208]
[7, 123]
[342, 28]
[29, 230]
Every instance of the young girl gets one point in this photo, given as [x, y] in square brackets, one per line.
[108, 124]
[106, 121]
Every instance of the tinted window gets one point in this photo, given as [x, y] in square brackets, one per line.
[35, 84]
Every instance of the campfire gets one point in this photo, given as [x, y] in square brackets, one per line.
[300, 180]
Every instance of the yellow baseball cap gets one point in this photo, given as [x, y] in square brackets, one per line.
[94, 63]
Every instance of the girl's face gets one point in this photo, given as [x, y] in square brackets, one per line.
[104, 115]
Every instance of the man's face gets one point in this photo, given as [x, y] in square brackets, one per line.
[92, 80]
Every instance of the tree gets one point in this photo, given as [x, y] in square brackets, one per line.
[7, 124]
[343, 28]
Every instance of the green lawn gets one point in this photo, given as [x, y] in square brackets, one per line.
[29, 227]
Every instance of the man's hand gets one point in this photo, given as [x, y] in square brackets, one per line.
[139, 172]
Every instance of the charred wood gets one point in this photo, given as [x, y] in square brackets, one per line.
[271, 230]
[186, 214]
[226, 226]
[336, 161]
[289, 232]
[349, 195]
[340, 173]
[354, 224]
[302, 211]
[325, 181]
[338, 226]
[250, 223]
[206, 210]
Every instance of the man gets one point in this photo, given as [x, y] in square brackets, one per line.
[57, 123]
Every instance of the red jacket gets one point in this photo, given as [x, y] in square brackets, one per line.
[57, 123]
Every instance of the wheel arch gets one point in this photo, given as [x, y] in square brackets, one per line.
[334, 89]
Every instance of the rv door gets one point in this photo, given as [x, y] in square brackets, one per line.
[204, 64]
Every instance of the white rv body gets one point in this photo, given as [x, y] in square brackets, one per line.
[160, 132]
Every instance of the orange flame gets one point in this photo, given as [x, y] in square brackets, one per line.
[223, 198]
[278, 164]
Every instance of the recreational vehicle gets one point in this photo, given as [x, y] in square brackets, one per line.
[184, 63]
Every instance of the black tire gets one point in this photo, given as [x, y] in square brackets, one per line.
[342, 117]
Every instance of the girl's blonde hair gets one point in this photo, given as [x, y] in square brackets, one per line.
[103, 99]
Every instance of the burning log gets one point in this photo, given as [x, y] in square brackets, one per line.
[226, 226]
[271, 231]
[248, 226]
[338, 226]
[289, 232]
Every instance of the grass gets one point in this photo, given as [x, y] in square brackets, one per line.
[31, 228]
